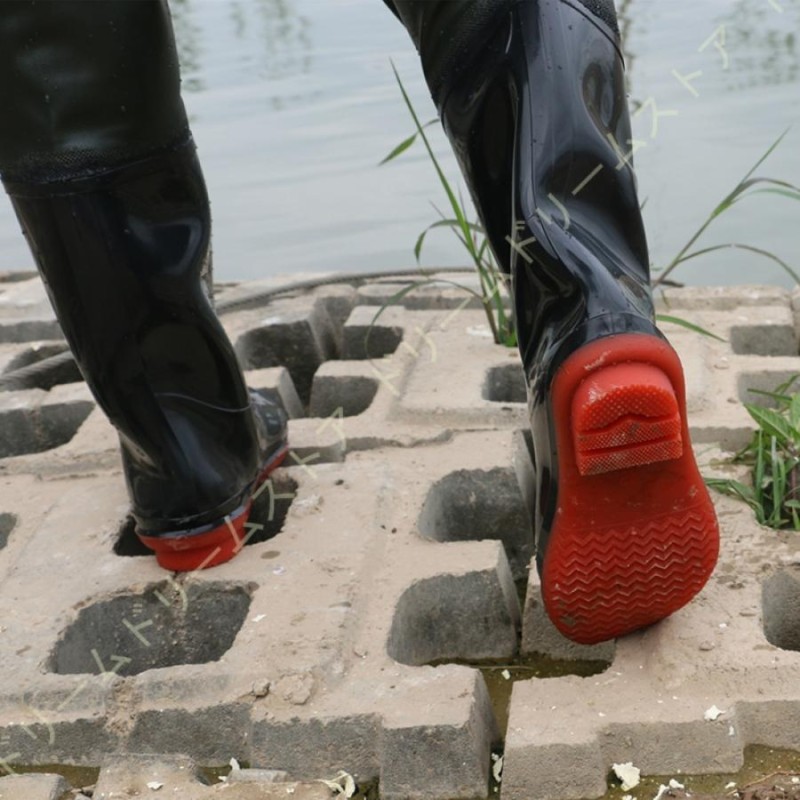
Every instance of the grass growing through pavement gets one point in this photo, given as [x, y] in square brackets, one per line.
[773, 456]
[494, 288]
[470, 233]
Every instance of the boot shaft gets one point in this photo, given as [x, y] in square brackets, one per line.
[121, 255]
[92, 84]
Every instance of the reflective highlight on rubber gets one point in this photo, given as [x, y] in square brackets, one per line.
[634, 535]
[212, 545]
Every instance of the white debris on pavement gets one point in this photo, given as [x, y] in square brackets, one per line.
[343, 785]
[712, 714]
[497, 767]
[627, 774]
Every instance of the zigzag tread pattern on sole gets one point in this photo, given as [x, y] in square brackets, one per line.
[615, 581]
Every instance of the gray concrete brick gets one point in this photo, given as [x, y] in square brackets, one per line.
[32, 787]
[461, 738]
[343, 388]
[300, 339]
[370, 335]
[212, 734]
[423, 298]
[475, 504]
[276, 385]
[720, 298]
[316, 441]
[394, 551]
[319, 745]
[34, 421]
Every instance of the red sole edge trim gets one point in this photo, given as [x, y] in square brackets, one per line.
[634, 535]
[213, 547]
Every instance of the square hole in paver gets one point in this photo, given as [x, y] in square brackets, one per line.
[45, 377]
[767, 381]
[764, 340]
[341, 395]
[505, 384]
[41, 428]
[470, 505]
[163, 626]
[7, 524]
[303, 342]
[780, 612]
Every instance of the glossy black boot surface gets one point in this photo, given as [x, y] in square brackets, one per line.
[537, 115]
[121, 255]
[102, 173]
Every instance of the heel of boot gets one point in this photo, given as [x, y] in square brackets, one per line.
[634, 535]
[211, 545]
[625, 416]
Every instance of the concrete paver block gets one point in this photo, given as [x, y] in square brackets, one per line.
[479, 504]
[276, 385]
[459, 742]
[342, 388]
[33, 421]
[298, 339]
[388, 546]
[32, 787]
[367, 335]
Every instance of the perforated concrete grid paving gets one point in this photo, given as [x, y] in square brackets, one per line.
[391, 541]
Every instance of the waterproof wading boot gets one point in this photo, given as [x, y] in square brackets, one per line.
[121, 253]
[531, 94]
[98, 160]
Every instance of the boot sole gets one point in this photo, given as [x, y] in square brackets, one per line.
[634, 535]
[214, 546]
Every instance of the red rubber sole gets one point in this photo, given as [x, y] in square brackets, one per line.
[215, 546]
[634, 535]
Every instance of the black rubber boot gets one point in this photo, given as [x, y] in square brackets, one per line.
[531, 94]
[103, 176]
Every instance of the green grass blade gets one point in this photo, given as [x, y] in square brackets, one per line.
[684, 323]
[405, 144]
[442, 223]
[731, 487]
[738, 246]
[726, 202]
[399, 150]
[771, 422]
[781, 399]
[794, 412]
[770, 150]
[457, 211]
[792, 194]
